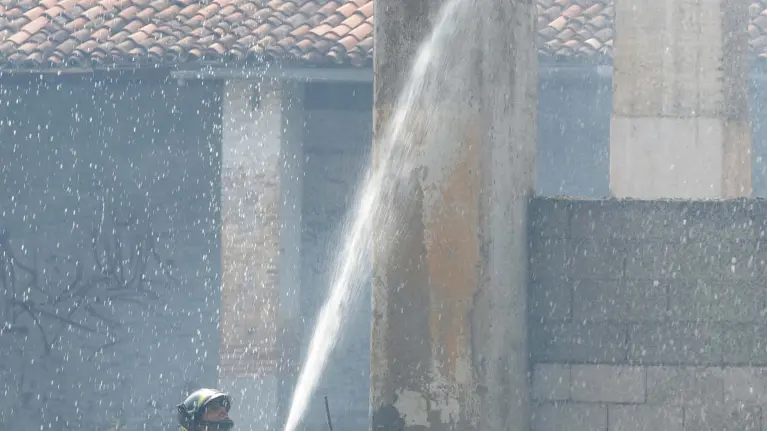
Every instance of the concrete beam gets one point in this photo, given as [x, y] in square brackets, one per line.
[680, 125]
[449, 338]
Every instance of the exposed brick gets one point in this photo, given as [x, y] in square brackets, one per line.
[569, 416]
[578, 343]
[251, 199]
[745, 385]
[745, 344]
[732, 301]
[619, 300]
[608, 383]
[685, 386]
[551, 382]
[645, 418]
[723, 418]
[675, 343]
[551, 298]
[247, 369]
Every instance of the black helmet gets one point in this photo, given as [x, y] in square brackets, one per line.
[191, 410]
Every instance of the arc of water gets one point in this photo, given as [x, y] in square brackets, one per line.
[396, 147]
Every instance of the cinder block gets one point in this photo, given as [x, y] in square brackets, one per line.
[563, 257]
[645, 418]
[608, 383]
[580, 343]
[598, 258]
[712, 300]
[551, 382]
[652, 260]
[675, 343]
[569, 416]
[718, 259]
[745, 259]
[738, 218]
[723, 418]
[551, 298]
[621, 299]
[746, 385]
[745, 345]
[644, 220]
[550, 257]
[685, 386]
[670, 220]
[550, 217]
[602, 218]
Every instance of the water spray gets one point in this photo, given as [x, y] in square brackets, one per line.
[371, 219]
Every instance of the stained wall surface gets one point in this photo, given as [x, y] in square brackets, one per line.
[648, 314]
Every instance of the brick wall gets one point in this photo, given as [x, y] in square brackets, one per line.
[250, 201]
[261, 161]
[648, 315]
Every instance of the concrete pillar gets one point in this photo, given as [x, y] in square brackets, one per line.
[449, 347]
[680, 125]
[261, 222]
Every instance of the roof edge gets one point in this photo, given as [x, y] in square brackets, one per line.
[579, 71]
[548, 70]
[291, 73]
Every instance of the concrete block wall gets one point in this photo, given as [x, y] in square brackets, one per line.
[648, 314]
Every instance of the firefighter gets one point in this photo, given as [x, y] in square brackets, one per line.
[205, 410]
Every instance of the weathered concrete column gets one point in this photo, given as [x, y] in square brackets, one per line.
[261, 222]
[680, 125]
[449, 343]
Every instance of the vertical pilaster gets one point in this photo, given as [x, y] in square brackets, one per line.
[261, 218]
[680, 125]
[449, 343]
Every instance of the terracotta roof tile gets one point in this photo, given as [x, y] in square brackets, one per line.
[61, 33]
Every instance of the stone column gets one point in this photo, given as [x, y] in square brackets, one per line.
[261, 222]
[680, 124]
[449, 343]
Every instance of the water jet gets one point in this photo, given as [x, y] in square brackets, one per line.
[442, 214]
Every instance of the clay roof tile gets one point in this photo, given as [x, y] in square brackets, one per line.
[53, 33]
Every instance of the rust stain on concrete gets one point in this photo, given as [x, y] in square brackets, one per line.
[400, 296]
[379, 363]
[423, 288]
[380, 120]
[453, 255]
[736, 159]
